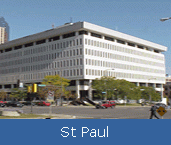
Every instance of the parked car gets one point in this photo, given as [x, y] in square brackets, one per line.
[43, 103]
[161, 105]
[106, 104]
[2, 104]
[28, 103]
[14, 104]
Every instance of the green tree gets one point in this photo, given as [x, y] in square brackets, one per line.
[125, 88]
[68, 95]
[3, 95]
[58, 85]
[149, 93]
[18, 93]
[104, 84]
[114, 88]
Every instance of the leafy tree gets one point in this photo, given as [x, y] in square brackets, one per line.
[69, 94]
[117, 88]
[134, 94]
[104, 84]
[57, 82]
[18, 94]
[3, 95]
[114, 88]
[125, 88]
[149, 93]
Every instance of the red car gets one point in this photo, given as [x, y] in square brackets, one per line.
[3, 103]
[106, 104]
[43, 103]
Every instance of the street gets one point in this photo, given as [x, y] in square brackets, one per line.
[91, 113]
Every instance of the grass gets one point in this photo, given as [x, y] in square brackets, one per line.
[24, 116]
[134, 104]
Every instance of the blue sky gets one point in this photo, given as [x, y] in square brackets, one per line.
[139, 18]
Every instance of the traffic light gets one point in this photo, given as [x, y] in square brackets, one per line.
[34, 88]
[29, 89]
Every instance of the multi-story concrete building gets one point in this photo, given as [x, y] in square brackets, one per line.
[82, 52]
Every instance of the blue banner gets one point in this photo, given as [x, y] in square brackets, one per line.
[84, 131]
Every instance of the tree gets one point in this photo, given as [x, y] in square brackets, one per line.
[124, 88]
[149, 93]
[114, 88]
[58, 85]
[104, 84]
[68, 95]
[3, 95]
[18, 94]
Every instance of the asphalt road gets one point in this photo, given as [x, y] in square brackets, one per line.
[90, 112]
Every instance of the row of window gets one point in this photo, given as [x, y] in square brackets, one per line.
[54, 65]
[121, 66]
[42, 49]
[41, 75]
[121, 49]
[63, 54]
[12, 55]
[93, 72]
[120, 57]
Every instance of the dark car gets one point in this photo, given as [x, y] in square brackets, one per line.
[2, 105]
[28, 103]
[14, 104]
[161, 105]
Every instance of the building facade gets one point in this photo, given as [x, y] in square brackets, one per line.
[4, 31]
[3, 35]
[167, 87]
[82, 52]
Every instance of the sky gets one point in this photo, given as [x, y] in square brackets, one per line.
[139, 18]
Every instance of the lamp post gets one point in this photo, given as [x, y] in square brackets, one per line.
[148, 83]
[106, 80]
[61, 88]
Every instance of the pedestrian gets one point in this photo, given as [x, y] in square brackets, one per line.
[153, 111]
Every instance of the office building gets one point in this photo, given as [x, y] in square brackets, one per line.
[82, 52]
[4, 31]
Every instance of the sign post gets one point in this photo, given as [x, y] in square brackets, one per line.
[50, 99]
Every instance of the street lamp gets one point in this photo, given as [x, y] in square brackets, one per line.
[164, 19]
[106, 80]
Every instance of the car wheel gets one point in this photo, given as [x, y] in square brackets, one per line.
[97, 107]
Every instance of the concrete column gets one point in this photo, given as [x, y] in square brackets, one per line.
[77, 89]
[12, 86]
[89, 33]
[138, 84]
[103, 37]
[76, 34]
[3, 86]
[90, 90]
